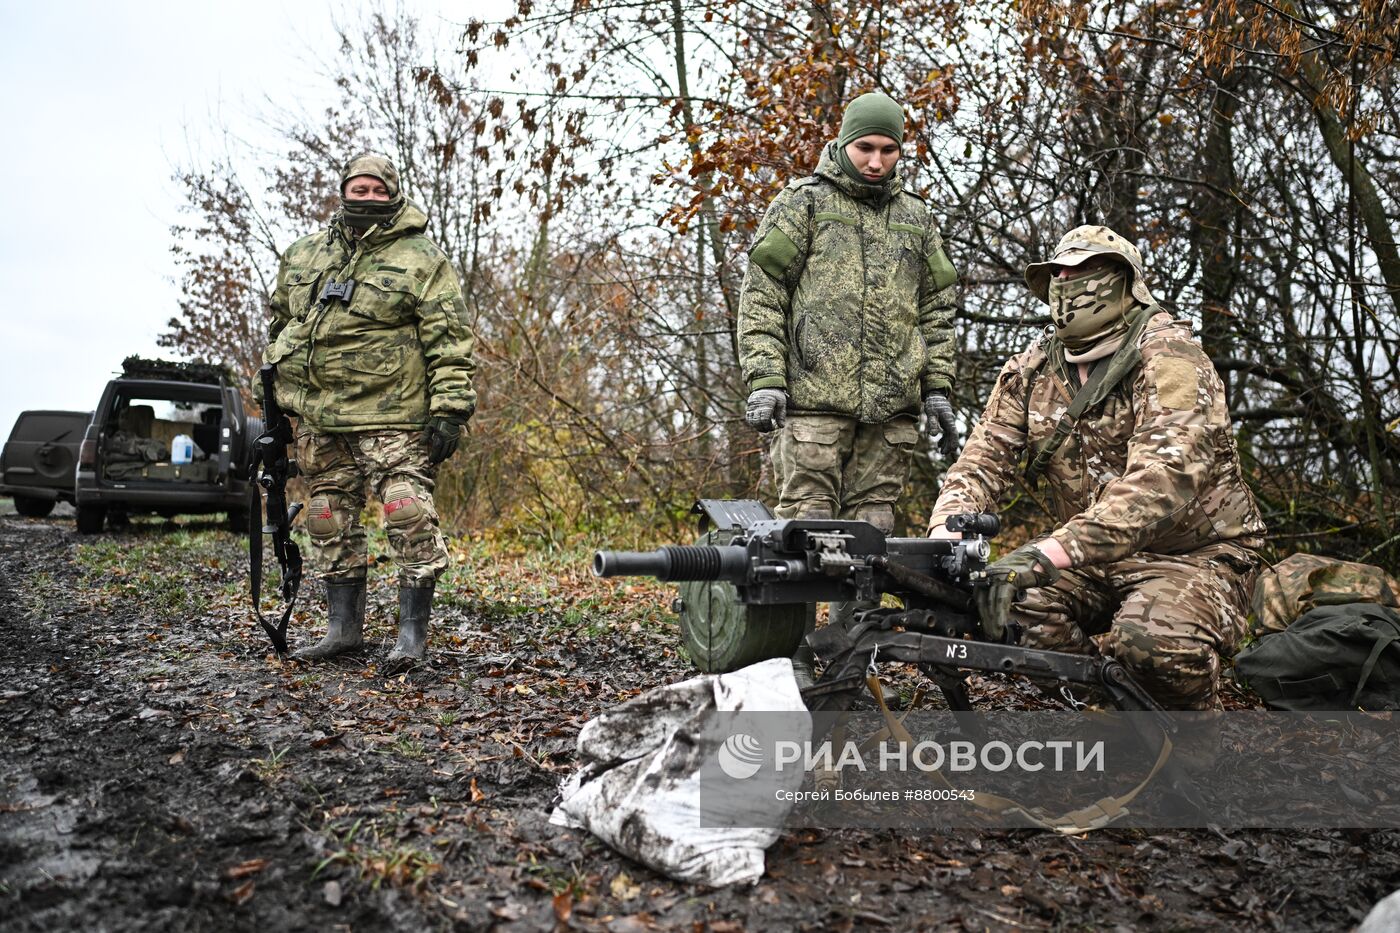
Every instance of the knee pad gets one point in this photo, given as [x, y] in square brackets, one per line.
[401, 506]
[806, 510]
[881, 516]
[321, 520]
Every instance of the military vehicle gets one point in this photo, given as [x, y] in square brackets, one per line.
[40, 459]
[166, 438]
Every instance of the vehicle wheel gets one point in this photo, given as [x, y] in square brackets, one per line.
[90, 518]
[237, 521]
[252, 428]
[30, 507]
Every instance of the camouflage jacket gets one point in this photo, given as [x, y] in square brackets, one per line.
[397, 353]
[848, 301]
[1153, 467]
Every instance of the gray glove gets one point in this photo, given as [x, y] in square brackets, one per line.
[766, 409]
[939, 411]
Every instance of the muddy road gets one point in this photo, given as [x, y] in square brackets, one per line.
[161, 771]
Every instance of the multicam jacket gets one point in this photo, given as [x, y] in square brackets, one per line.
[848, 300]
[397, 353]
[1153, 467]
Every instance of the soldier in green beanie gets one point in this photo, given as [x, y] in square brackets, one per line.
[369, 335]
[845, 327]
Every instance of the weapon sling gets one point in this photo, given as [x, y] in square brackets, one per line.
[1095, 816]
[289, 562]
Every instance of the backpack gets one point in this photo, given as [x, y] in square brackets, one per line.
[1304, 581]
[1333, 658]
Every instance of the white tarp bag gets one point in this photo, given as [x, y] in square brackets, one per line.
[649, 783]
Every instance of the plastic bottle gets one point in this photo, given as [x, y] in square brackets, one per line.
[182, 449]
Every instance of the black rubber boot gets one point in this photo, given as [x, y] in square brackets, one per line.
[346, 628]
[415, 604]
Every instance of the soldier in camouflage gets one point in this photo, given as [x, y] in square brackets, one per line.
[374, 356]
[845, 327]
[1122, 413]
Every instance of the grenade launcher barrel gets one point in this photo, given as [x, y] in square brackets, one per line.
[676, 562]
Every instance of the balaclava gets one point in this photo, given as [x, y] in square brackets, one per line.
[361, 215]
[1090, 311]
[872, 114]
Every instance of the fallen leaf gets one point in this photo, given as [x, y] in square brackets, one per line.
[244, 869]
[177, 758]
[476, 795]
[508, 911]
[563, 906]
[624, 888]
[242, 893]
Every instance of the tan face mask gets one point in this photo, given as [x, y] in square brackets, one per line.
[1090, 308]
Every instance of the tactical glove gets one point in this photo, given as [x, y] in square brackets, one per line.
[766, 409]
[442, 435]
[1006, 579]
[939, 411]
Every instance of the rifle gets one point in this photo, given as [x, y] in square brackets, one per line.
[765, 567]
[270, 468]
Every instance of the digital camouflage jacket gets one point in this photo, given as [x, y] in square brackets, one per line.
[397, 353]
[848, 300]
[1153, 467]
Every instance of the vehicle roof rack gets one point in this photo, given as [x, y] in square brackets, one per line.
[135, 367]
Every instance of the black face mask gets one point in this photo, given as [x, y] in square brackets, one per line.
[361, 215]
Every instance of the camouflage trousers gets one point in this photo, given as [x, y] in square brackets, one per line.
[339, 469]
[829, 466]
[1169, 618]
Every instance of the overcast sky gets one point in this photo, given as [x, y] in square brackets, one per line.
[102, 101]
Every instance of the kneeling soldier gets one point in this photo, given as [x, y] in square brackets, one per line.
[1122, 413]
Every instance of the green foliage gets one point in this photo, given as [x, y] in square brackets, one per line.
[363, 848]
[134, 568]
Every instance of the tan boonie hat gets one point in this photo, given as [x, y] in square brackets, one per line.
[376, 166]
[1080, 244]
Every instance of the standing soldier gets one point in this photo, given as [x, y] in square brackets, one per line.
[1122, 413]
[374, 356]
[845, 328]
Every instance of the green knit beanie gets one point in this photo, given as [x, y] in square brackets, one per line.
[872, 114]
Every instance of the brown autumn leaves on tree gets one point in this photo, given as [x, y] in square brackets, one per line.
[599, 168]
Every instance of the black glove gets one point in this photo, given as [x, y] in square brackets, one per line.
[939, 411]
[1006, 579]
[441, 436]
[766, 409]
